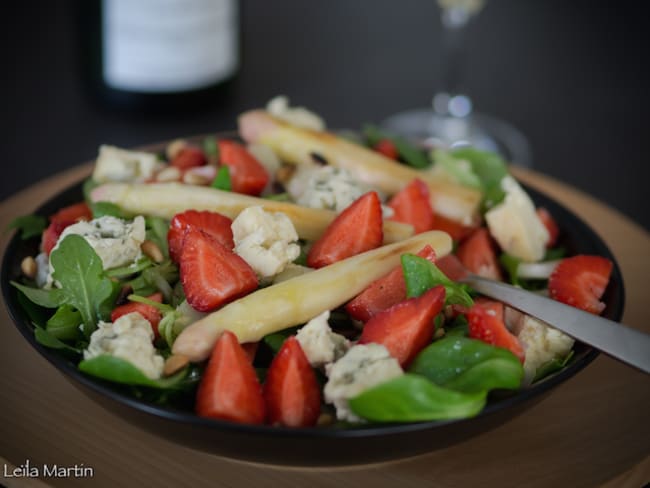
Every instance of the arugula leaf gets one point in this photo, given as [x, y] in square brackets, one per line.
[458, 327]
[222, 180]
[45, 338]
[421, 275]
[84, 285]
[554, 253]
[28, 225]
[279, 197]
[459, 169]
[511, 265]
[45, 298]
[409, 153]
[490, 169]
[88, 186]
[118, 370]
[275, 340]
[101, 209]
[124, 271]
[157, 229]
[552, 366]
[211, 149]
[468, 365]
[37, 314]
[411, 398]
[64, 324]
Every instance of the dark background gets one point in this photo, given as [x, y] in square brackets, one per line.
[570, 74]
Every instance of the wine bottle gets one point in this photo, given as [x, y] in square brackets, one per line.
[159, 54]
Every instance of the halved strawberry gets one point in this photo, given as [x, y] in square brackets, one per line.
[211, 274]
[357, 229]
[229, 388]
[384, 292]
[486, 324]
[478, 255]
[456, 230]
[550, 224]
[189, 157]
[73, 213]
[387, 148]
[412, 205]
[247, 175]
[212, 223]
[250, 348]
[52, 233]
[580, 281]
[152, 314]
[291, 391]
[406, 327]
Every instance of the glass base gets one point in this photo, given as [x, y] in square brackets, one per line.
[479, 130]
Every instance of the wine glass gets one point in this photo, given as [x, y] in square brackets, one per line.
[450, 121]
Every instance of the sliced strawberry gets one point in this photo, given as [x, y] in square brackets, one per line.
[486, 324]
[387, 148]
[383, 292]
[357, 229]
[152, 314]
[211, 274]
[247, 175]
[406, 327]
[291, 391]
[412, 205]
[580, 281]
[477, 254]
[250, 348]
[73, 213]
[229, 388]
[456, 230]
[212, 223]
[550, 224]
[52, 233]
[189, 157]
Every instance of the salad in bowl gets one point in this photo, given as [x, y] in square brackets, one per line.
[292, 277]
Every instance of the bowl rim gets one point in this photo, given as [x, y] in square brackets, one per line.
[102, 387]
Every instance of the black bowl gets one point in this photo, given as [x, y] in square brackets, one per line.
[311, 446]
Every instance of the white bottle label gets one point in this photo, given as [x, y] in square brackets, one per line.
[169, 45]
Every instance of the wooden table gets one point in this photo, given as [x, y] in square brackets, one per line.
[592, 431]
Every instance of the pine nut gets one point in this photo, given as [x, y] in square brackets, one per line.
[174, 147]
[192, 178]
[152, 251]
[29, 267]
[171, 173]
[285, 173]
[174, 363]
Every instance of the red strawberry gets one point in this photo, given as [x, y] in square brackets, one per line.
[189, 157]
[52, 233]
[357, 229]
[212, 223]
[229, 388]
[580, 281]
[387, 148]
[211, 274]
[73, 213]
[456, 230]
[486, 324]
[406, 327]
[247, 175]
[412, 205]
[384, 292]
[151, 313]
[550, 224]
[291, 391]
[250, 348]
[477, 255]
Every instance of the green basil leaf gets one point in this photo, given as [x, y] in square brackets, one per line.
[222, 180]
[459, 326]
[45, 298]
[408, 153]
[64, 324]
[490, 169]
[28, 225]
[468, 365]
[421, 275]
[118, 370]
[511, 265]
[460, 170]
[78, 269]
[211, 148]
[554, 253]
[413, 398]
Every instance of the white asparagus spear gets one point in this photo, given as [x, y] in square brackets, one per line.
[167, 199]
[295, 145]
[300, 299]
